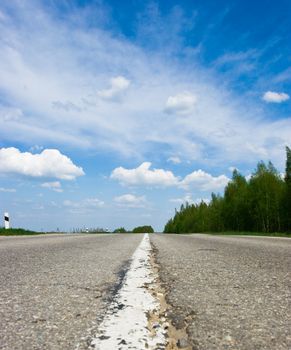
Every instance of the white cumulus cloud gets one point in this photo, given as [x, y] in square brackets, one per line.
[117, 86]
[144, 175]
[131, 201]
[275, 97]
[203, 181]
[48, 163]
[182, 103]
[54, 185]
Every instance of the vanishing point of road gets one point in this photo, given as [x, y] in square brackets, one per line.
[226, 292]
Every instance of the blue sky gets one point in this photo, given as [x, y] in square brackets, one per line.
[113, 113]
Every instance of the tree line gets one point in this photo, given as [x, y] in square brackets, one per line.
[138, 229]
[259, 204]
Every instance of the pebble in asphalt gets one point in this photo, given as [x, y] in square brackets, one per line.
[234, 291]
[54, 289]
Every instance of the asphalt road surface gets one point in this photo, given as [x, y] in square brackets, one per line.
[54, 289]
[230, 292]
[234, 291]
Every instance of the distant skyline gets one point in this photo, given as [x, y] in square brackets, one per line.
[115, 113]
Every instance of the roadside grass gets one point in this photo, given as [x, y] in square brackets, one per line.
[17, 232]
[243, 233]
[22, 232]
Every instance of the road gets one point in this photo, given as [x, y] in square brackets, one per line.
[229, 292]
[54, 289]
[235, 291]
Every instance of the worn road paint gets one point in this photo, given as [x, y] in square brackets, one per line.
[125, 324]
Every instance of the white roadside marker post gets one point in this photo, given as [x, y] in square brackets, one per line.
[6, 221]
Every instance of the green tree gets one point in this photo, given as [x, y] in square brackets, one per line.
[262, 204]
[236, 203]
[287, 196]
[216, 222]
[143, 229]
[120, 230]
[266, 193]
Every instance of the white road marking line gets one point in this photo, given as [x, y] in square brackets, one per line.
[125, 324]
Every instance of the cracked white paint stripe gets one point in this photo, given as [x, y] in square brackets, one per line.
[125, 324]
